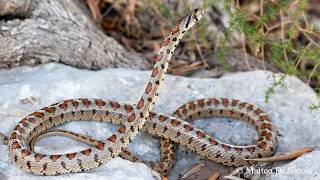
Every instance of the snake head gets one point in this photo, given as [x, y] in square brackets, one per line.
[190, 19]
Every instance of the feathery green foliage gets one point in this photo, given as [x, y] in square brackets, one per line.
[277, 80]
[283, 50]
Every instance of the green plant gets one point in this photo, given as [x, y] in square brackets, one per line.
[285, 52]
[277, 80]
[314, 107]
[272, 37]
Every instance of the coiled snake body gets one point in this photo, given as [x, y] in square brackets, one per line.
[132, 118]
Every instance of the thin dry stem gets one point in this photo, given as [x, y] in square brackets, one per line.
[312, 72]
[305, 31]
[309, 32]
[233, 178]
[214, 176]
[284, 157]
[305, 20]
[183, 70]
[243, 41]
[276, 26]
[310, 39]
[262, 32]
[282, 35]
[245, 51]
[300, 58]
[201, 55]
[193, 170]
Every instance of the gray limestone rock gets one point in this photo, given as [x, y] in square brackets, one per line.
[25, 89]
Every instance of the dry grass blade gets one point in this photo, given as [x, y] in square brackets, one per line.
[206, 65]
[183, 70]
[283, 35]
[300, 58]
[284, 157]
[214, 176]
[233, 178]
[201, 55]
[193, 170]
[243, 42]
[275, 26]
[312, 72]
[262, 33]
[305, 33]
[245, 51]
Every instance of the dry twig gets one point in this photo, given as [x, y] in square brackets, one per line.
[282, 35]
[284, 157]
[262, 33]
[214, 176]
[201, 55]
[312, 72]
[193, 170]
[183, 70]
[244, 43]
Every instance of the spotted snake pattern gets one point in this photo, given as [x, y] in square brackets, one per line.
[133, 118]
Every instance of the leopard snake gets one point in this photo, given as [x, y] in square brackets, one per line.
[131, 119]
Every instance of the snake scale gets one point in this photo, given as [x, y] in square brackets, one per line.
[133, 118]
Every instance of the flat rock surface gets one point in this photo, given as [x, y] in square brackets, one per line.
[24, 90]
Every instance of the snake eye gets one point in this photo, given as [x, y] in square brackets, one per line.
[197, 14]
